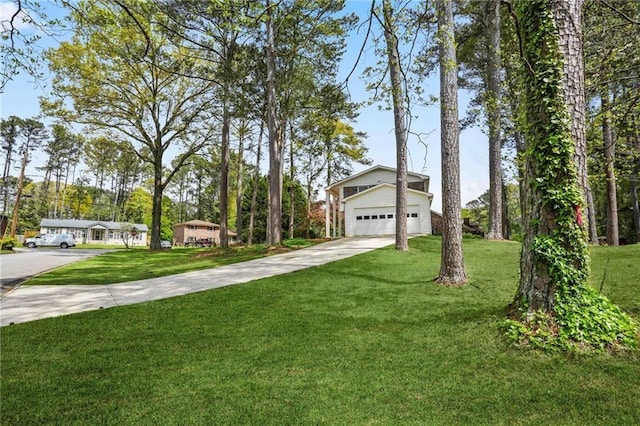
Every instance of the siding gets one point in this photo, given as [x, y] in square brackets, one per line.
[379, 176]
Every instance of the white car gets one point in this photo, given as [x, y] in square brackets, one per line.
[165, 244]
[51, 240]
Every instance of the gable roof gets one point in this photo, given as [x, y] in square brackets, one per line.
[79, 223]
[385, 185]
[371, 169]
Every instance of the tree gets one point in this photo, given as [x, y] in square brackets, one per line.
[123, 75]
[399, 119]
[33, 134]
[553, 294]
[452, 270]
[9, 131]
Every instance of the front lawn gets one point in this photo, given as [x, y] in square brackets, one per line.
[366, 340]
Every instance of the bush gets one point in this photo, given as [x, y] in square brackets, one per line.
[9, 243]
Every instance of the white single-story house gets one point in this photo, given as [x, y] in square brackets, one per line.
[366, 202]
[95, 231]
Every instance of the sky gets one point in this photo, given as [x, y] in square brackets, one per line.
[21, 99]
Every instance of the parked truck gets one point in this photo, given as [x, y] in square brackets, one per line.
[51, 240]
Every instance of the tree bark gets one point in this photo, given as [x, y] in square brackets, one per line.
[292, 189]
[156, 210]
[452, 271]
[224, 174]
[493, 94]
[568, 18]
[399, 118]
[240, 167]
[256, 183]
[274, 223]
[549, 169]
[610, 170]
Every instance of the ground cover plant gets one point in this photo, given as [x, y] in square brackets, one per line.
[137, 264]
[366, 340]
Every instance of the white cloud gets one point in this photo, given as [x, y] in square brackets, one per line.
[7, 10]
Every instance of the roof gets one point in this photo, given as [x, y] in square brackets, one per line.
[385, 185]
[79, 223]
[197, 222]
[371, 169]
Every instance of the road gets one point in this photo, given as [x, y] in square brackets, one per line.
[25, 263]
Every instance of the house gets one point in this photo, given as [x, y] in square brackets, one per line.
[367, 204]
[437, 225]
[189, 232]
[96, 231]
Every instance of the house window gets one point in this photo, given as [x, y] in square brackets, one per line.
[192, 227]
[373, 217]
[53, 231]
[414, 214]
[209, 228]
[367, 218]
[390, 216]
[383, 216]
[358, 217]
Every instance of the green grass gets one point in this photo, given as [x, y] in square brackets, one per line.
[131, 265]
[367, 340]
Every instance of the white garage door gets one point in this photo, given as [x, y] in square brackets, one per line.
[382, 221]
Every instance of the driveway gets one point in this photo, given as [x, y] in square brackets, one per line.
[29, 303]
[25, 263]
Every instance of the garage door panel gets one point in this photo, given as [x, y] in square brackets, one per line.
[382, 221]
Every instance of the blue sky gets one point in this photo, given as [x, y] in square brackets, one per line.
[21, 99]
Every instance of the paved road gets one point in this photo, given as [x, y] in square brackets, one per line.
[25, 263]
[28, 303]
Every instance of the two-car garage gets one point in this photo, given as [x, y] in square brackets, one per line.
[372, 212]
[382, 220]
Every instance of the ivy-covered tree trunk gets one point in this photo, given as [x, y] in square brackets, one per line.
[452, 271]
[399, 117]
[553, 293]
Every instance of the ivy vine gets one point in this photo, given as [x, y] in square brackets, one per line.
[582, 319]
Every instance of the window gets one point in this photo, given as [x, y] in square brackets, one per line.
[390, 216]
[375, 216]
[382, 216]
[367, 217]
[209, 228]
[192, 227]
[358, 217]
[53, 231]
[414, 214]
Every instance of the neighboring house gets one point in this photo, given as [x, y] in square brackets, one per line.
[367, 203]
[467, 227]
[94, 231]
[193, 230]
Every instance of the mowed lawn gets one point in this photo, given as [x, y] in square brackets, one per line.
[367, 340]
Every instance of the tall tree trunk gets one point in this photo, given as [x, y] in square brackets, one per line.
[292, 189]
[274, 223]
[493, 92]
[399, 119]
[256, 182]
[16, 206]
[240, 167]
[633, 180]
[452, 271]
[549, 171]
[224, 174]
[610, 171]
[156, 209]
[591, 212]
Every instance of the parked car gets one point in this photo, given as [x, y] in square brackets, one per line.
[204, 242]
[165, 244]
[51, 240]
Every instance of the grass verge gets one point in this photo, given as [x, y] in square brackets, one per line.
[367, 340]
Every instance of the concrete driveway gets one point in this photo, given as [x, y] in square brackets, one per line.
[29, 303]
[25, 263]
